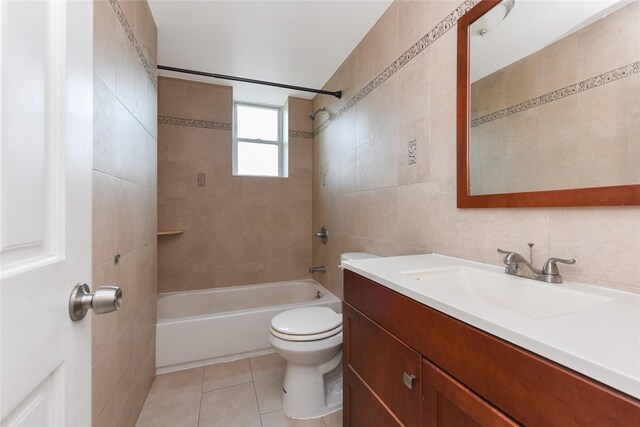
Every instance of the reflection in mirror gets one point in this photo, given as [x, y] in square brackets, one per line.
[555, 96]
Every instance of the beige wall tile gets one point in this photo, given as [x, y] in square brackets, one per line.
[522, 133]
[604, 161]
[105, 114]
[172, 97]
[414, 19]
[521, 80]
[385, 160]
[125, 217]
[364, 167]
[126, 63]
[488, 94]
[299, 110]
[141, 88]
[604, 110]
[605, 45]
[209, 102]
[105, 51]
[105, 196]
[581, 234]
[172, 178]
[557, 64]
[172, 142]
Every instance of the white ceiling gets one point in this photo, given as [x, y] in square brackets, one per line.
[531, 26]
[299, 42]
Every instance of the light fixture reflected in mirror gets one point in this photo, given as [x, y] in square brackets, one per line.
[490, 20]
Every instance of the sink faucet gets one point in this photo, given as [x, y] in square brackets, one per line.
[517, 265]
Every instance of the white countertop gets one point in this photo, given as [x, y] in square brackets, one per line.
[601, 342]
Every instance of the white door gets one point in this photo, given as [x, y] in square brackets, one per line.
[45, 210]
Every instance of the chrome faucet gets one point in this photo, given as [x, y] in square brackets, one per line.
[517, 265]
[321, 269]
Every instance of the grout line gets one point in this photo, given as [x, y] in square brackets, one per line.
[133, 114]
[200, 405]
[225, 387]
[255, 392]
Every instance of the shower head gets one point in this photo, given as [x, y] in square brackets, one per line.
[312, 116]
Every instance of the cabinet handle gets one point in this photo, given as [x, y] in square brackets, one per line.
[409, 380]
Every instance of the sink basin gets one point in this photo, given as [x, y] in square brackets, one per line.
[526, 297]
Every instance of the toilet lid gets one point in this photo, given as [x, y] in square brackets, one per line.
[306, 321]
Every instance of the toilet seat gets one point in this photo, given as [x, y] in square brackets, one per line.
[312, 337]
[306, 324]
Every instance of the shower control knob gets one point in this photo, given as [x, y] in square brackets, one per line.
[323, 234]
[104, 300]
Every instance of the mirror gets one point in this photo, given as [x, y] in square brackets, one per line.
[549, 103]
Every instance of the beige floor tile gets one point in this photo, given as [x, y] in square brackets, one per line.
[223, 375]
[266, 362]
[268, 377]
[234, 406]
[334, 419]
[174, 400]
[279, 419]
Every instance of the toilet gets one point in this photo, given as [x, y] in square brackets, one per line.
[310, 340]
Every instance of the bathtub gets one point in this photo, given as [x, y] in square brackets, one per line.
[197, 328]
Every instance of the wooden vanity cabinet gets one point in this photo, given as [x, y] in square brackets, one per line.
[447, 403]
[408, 364]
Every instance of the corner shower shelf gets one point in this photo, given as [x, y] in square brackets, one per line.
[169, 232]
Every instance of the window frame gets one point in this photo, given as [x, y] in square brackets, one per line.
[279, 142]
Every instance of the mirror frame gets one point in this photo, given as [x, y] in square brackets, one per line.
[621, 195]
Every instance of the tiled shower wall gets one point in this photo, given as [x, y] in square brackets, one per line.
[237, 230]
[124, 207]
[399, 88]
[562, 117]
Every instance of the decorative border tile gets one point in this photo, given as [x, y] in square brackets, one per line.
[591, 83]
[151, 73]
[193, 123]
[300, 134]
[428, 39]
[413, 153]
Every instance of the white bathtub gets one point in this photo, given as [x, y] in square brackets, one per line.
[197, 328]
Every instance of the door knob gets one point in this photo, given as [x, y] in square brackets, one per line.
[104, 300]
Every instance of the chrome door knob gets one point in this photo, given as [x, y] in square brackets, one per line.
[105, 300]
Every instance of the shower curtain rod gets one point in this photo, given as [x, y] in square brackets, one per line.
[337, 94]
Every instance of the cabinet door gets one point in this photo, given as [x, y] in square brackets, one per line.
[390, 369]
[361, 407]
[448, 403]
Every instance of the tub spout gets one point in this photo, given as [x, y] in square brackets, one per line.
[321, 269]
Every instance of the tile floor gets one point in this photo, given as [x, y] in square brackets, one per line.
[234, 394]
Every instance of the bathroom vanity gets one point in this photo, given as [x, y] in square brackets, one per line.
[420, 351]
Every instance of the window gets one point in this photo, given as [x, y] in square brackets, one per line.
[257, 141]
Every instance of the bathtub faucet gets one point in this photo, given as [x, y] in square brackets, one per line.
[321, 269]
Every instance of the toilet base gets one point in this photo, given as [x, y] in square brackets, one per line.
[312, 391]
